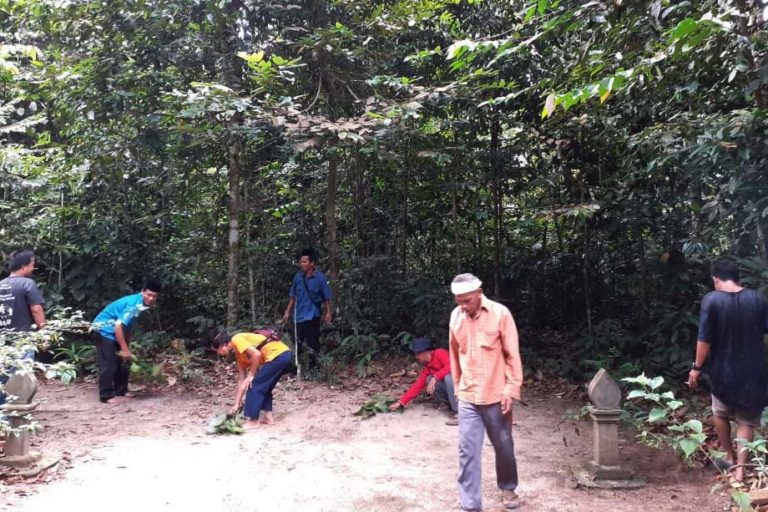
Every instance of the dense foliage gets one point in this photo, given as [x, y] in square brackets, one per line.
[586, 159]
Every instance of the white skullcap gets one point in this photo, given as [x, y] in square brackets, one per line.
[465, 283]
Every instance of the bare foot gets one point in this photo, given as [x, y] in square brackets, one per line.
[115, 400]
[129, 395]
[267, 419]
[251, 424]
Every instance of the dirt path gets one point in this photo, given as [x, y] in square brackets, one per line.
[152, 454]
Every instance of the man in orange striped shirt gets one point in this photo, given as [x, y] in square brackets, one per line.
[488, 373]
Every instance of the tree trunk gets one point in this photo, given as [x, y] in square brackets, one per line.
[331, 241]
[232, 76]
[497, 204]
[762, 242]
[455, 211]
[404, 211]
[235, 150]
[585, 276]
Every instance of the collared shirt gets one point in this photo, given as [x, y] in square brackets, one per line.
[125, 310]
[485, 356]
[439, 365]
[243, 341]
[310, 292]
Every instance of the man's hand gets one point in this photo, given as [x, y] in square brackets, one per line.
[286, 317]
[693, 379]
[395, 406]
[234, 410]
[431, 386]
[125, 354]
[327, 317]
[506, 406]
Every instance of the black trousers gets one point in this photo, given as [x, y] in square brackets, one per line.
[308, 333]
[113, 373]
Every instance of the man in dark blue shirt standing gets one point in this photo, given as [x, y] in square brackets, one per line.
[309, 294]
[732, 326]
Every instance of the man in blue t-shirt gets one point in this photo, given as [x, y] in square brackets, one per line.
[732, 326]
[113, 328]
[309, 293]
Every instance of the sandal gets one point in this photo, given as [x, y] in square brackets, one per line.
[510, 500]
[721, 465]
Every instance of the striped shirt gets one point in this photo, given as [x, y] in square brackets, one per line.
[485, 355]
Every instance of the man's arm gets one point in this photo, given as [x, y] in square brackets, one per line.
[238, 389]
[35, 299]
[288, 309]
[122, 340]
[255, 358]
[513, 367]
[325, 292]
[413, 391]
[444, 358]
[702, 353]
[453, 351]
[327, 317]
[38, 315]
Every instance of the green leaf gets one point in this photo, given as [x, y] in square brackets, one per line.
[674, 404]
[683, 28]
[689, 446]
[656, 414]
[656, 382]
[695, 425]
[542, 7]
[636, 393]
[742, 500]
[529, 14]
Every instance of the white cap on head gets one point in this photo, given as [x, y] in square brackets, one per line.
[465, 283]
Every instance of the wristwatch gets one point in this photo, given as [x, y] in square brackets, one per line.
[694, 366]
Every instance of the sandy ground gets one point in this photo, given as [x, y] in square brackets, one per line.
[151, 454]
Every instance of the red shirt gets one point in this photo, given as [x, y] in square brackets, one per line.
[439, 366]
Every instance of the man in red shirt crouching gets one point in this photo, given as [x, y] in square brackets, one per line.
[436, 376]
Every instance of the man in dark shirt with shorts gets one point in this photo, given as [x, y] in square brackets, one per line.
[21, 302]
[732, 326]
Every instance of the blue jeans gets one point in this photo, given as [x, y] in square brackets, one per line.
[444, 391]
[259, 396]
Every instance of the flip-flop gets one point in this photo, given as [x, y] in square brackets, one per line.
[721, 465]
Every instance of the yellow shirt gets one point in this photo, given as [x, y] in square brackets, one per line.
[244, 340]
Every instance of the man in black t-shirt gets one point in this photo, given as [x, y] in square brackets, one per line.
[732, 327]
[21, 303]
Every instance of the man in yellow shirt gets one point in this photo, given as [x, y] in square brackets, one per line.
[261, 360]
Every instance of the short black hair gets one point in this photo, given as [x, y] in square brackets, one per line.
[221, 339]
[310, 253]
[725, 270]
[152, 284]
[19, 259]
